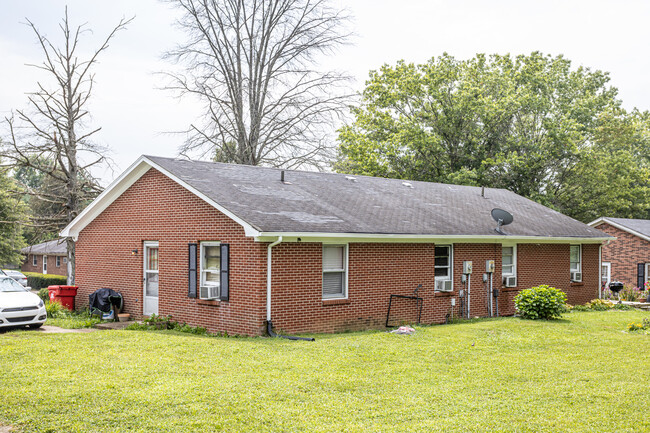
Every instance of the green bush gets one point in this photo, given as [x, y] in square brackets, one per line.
[39, 281]
[541, 302]
[55, 310]
[44, 294]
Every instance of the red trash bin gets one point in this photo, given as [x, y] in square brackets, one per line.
[64, 295]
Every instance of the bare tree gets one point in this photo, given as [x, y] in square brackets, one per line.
[252, 64]
[52, 136]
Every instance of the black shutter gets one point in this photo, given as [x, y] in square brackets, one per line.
[191, 289]
[640, 274]
[225, 283]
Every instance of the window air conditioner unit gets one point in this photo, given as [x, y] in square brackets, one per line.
[576, 276]
[443, 286]
[209, 292]
[510, 281]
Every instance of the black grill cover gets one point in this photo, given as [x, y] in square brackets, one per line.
[104, 300]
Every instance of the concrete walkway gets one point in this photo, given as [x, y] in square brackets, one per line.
[47, 329]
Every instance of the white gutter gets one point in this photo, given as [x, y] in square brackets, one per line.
[384, 237]
[268, 278]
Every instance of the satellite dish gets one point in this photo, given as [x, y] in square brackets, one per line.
[502, 217]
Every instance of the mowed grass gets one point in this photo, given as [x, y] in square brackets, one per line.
[579, 374]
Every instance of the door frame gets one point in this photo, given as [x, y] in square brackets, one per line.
[607, 265]
[145, 250]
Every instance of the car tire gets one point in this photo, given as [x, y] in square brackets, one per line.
[35, 326]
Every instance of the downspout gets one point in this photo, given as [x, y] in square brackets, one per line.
[600, 271]
[269, 324]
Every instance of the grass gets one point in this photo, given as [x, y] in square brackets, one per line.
[578, 374]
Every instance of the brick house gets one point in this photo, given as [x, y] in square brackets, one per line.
[626, 258]
[49, 257]
[231, 247]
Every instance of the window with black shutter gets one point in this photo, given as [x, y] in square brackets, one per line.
[191, 290]
[225, 272]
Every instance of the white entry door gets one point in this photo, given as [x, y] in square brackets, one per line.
[606, 274]
[150, 304]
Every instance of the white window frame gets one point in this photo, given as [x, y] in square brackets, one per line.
[450, 274]
[647, 272]
[579, 268]
[514, 260]
[34, 260]
[202, 273]
[58, 261]
[44, 264]
[346, 253]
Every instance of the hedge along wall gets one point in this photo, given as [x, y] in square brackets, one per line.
[38, 281]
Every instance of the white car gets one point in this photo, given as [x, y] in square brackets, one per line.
[19, 306]
[18, 276]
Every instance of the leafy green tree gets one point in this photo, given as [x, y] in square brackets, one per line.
[529, 124]
[12, 216]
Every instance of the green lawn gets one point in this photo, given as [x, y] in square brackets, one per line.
[580, 374]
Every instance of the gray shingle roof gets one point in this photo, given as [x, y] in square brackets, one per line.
[57, 247]
[640, 226]
[312, 202]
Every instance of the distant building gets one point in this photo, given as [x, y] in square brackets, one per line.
[626, 258]
[49, 257]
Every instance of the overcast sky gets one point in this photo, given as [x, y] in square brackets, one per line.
[134, 115]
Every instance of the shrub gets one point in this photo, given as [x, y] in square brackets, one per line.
[541, 302]
[581, 308]
[39, 281]
[600, 305]
[44, 294]
[55, 310]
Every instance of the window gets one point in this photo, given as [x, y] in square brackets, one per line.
[334, 271]
[509, 261]
[576, 263]
[443, 262]
[34, 260]
[58, 261]
[210, 270]
[44, 264]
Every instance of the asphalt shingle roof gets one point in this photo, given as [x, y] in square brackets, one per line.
[57, 247]
[640, 226]
[312, 202]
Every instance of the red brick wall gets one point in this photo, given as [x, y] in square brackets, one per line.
[378, 270]
[624, 253]
[157, 209]
[52, 269]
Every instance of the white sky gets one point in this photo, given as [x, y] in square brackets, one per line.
[608, 35]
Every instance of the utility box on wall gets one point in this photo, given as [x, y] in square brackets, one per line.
[489, 266]
[467, 267]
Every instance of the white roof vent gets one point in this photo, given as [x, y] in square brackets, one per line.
[407, 184]
[351, 178]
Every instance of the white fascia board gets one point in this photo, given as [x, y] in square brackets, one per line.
[108, 196]
[407, 238]
[618, 226]
[124, 182]
[249, 230]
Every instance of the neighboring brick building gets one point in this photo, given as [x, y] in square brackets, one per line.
[206, 242]
[627, 258]
[49, 257]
